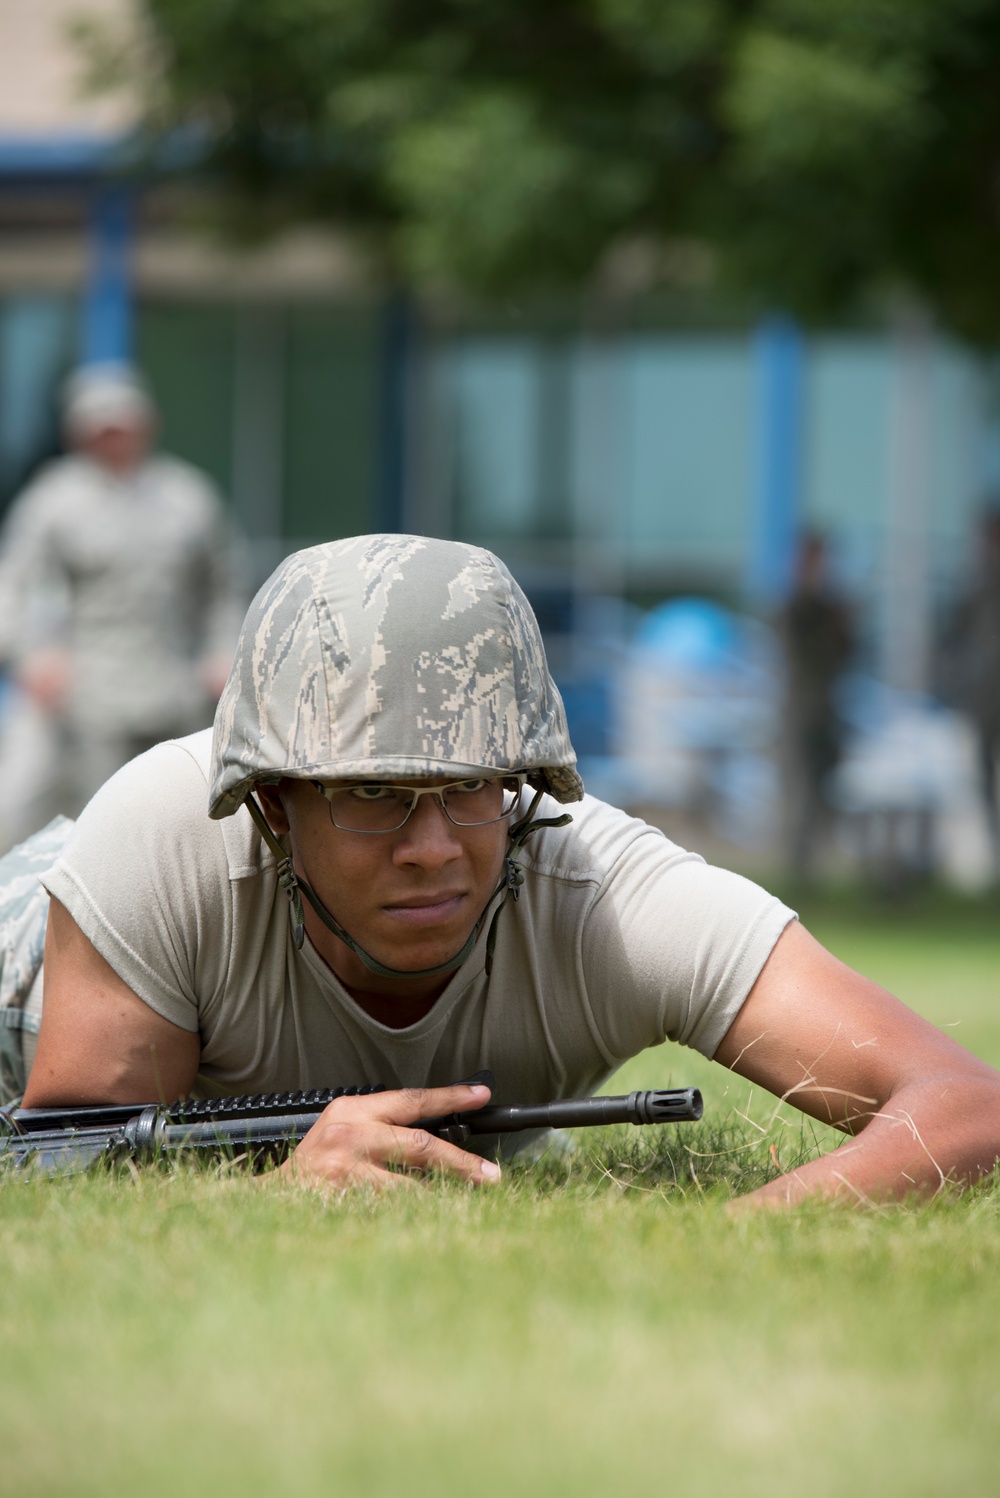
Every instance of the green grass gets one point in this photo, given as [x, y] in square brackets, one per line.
[595, 1324]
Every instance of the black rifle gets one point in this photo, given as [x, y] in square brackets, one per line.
[269, 1125]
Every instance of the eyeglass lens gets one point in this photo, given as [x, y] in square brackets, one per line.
[384, 808]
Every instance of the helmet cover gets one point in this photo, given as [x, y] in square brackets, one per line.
[390, 657]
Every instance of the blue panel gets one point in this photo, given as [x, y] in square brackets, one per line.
[846, 469]
[35, 340]
[597, 460]
[989, 456]
[687, 434]
[495, 395]
[778, 374]
[107, 302]
[959, 469]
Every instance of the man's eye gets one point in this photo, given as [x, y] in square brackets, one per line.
[469, 787]
[370, 792]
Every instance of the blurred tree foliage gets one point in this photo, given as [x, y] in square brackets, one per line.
[818, 147]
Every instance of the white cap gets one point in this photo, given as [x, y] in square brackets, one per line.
[98, 396]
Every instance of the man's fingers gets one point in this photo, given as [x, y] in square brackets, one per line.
[379, 1179]
[409, 1104]
[418, 1150]
[356, 1138]
[413, 1103]
[361, 1173]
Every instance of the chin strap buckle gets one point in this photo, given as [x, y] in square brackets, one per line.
[290, 884]
[513, 878]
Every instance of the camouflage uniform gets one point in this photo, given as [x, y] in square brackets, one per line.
[24, 910]
[133, 577]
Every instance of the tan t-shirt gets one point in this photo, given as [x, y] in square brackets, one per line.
[619, 940]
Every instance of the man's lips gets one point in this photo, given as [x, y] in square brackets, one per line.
[426, 910]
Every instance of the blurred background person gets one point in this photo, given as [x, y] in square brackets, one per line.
[119, 603]
[818, 637]
[972, 656]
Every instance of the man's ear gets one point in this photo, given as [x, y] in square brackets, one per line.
[269, 797]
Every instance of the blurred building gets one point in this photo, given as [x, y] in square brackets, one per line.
[671, 448]
[268, 368]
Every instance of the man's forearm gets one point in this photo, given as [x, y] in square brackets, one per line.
[930, 1133]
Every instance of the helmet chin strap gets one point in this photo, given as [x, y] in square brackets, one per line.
[509, 886]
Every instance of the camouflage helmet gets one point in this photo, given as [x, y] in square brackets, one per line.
[393, 657]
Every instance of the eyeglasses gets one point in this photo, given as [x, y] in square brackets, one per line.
[376, 807]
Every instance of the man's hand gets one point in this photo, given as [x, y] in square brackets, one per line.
[213, 673]
[359, 1138]
[46, 676]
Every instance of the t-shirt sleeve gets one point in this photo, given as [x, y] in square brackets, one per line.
[146, 878]
[672, 947]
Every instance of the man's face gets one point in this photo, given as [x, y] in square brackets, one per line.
[120, 447]
[409, 897]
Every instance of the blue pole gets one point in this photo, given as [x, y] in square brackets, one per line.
[106, 332]
[779, 364]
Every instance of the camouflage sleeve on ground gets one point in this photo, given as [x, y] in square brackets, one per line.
[24, 910]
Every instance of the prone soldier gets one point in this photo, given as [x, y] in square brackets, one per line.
[382, 867]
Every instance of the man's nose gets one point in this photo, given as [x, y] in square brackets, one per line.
[428, 835]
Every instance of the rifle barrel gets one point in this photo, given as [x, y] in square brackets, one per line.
[670, 1105]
